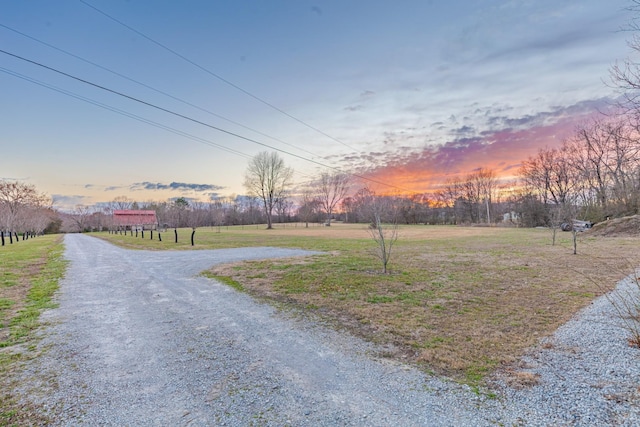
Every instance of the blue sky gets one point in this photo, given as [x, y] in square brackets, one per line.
[409, 92]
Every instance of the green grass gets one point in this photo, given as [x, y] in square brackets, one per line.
[221, 238]
[225, 280]
[459, 301]
[31, 270]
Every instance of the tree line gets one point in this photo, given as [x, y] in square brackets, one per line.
[24, 212]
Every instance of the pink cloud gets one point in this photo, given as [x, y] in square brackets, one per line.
[502, 151]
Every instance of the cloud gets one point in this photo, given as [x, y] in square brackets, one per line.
[353, 108]
[502, 148]
[67, 202]
[174, 186]
[364, 98]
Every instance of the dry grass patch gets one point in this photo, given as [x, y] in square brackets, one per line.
[522, 379]
[461, 301]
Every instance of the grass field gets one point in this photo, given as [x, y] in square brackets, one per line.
[29, 274]
[459, 301]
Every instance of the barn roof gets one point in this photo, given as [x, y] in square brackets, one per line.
[134, 217]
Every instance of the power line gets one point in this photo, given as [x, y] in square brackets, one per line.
[132, 116]
[217, 76]
[156, 90]
[124, 113]
[149, 104]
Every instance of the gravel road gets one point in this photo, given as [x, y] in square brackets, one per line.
[140, 339]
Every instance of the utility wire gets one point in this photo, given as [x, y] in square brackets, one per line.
[133, 116]
[217, 76]
[124, 113]
[156, 90]
[157, 107]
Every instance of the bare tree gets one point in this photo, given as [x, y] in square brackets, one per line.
[17, 203]
[607, 155]
[268, 178]
[383, 234]
[332, 188]
[197, 216]
[550, 175]
[486, 183]
[79, 217]
[309, 206]
[121, 203]
[625, 75]
[448, 197]
[360, 205]
[178, 212]
[283, 208]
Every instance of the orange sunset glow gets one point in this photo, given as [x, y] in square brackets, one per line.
[501, 151]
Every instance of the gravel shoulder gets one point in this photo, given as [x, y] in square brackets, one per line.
[140, 339]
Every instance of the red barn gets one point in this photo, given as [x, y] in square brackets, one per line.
[130, 219]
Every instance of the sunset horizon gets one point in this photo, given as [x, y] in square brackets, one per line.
[109, 100]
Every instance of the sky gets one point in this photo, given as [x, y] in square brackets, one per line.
[154, 100]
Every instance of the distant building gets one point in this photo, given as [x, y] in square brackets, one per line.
[135, 219]
[511, 217]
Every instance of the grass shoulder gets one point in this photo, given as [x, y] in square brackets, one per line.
[31, 271]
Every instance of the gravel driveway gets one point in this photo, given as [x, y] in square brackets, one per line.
[140, 339]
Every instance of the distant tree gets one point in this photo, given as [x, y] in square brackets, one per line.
[413, 209]
[309, 206]
[121, 203]
[359, 205]
[332, 188]
[19, 203]
[625, 75]
[268, 178]
[217, 209]
[197, 216]
[529, 209]
[447, 197]
[550, 175]
[283, 209]
[484, 182]
[179, 212]
[606, 154]
[79, 218]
